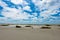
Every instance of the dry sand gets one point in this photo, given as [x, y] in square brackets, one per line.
[29, 34]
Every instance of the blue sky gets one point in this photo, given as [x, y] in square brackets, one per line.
[29, 11]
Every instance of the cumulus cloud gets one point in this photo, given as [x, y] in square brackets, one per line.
[47, 8]
[15, 13]
[17, 1]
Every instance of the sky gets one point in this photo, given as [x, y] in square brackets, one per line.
[29, 11]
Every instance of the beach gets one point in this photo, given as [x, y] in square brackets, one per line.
[29, 34]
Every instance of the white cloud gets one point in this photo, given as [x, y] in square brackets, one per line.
[17, 14]
[27, 8]
[3, 4]
[17, 1]
[51, 10]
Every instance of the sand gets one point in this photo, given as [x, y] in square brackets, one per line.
[29, 34]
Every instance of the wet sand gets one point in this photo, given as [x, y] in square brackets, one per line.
[29, 34]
